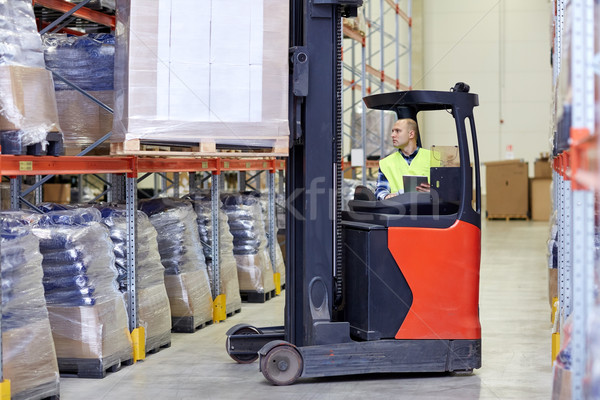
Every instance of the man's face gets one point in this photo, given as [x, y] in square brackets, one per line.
[401, 135]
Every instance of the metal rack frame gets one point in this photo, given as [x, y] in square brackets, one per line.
[576, 184]
[377, 69]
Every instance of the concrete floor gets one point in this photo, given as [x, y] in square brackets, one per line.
[515, 319]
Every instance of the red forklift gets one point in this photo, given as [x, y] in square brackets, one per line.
[371, 286]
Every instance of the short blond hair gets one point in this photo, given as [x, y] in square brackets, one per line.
[411, 124]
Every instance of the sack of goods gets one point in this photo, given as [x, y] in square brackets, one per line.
[25, 324]
[228, 276]
[87, 311]
[88, 62]
[154, 311]
[186, 276]
[245, 220]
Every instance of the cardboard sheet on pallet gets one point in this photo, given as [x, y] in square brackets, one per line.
[29, 360]
[92, 332]
[27, 102]
[190, 295]
[223, 82]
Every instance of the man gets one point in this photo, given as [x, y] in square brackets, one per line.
[408, 160]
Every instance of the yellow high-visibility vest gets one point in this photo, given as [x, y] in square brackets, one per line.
[394, 167]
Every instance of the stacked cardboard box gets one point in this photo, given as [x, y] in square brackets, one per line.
[507, 189]
[225, 81]
[540, 188]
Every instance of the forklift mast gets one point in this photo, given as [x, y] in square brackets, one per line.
[314, 176]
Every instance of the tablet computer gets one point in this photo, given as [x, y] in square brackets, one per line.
[412, 181]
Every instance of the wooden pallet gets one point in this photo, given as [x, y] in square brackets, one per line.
[249, 296]
[507, 217]
[232, 313]
[188, 324]
[89, 367]
[209, 148]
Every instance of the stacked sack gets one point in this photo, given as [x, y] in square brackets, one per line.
[29, 358]
[27, 104]
[87, 61]
[154, 312]
[87, 311]
[186, 276]
[228, 276]
[245, 221]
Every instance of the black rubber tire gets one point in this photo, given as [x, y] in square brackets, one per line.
[245, 358]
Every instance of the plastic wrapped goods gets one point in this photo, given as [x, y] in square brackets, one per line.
[186, 276]
[25, 323]
[280, 262]
[154, 312]
[87, 312]
[27, 103]
[227, 269]
[225, 81]
[88, 62]
[249, 242]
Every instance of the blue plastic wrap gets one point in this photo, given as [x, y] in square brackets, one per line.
[22, 291]
[229, 283]
[149, 270]
[87, 61]
[178, 238]
[78, 261]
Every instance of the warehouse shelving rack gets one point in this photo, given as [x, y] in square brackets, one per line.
[130, 166]
[576, 180]
[375, 61]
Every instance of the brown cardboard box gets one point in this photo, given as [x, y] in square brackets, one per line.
[82, 121]
[190, 295]
[57, 192]
[154, 315]
[97, 332]
[31, 97]
[541, 199]
[542, 168]
[29, 361]
[507, 187]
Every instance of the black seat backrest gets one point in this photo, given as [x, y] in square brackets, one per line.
[364, 193]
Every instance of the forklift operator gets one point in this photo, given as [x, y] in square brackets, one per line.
[408, 160]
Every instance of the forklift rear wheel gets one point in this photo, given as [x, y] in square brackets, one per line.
[244, 358]
[282, 365]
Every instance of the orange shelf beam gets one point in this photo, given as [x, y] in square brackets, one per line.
[398, 11]
[177, 164]
[11, 165]
[84, 13]
[385, 78]
[251, 165]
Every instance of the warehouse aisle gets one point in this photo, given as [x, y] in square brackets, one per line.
[515, 316]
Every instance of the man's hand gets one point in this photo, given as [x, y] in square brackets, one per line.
[389, 196]
[424, 187]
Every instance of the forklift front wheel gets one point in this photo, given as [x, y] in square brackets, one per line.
[242, 329]
[282, 365]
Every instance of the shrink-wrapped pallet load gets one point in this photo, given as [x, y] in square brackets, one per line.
[186, 276]
[249, 245]
[228, 275]
[88, 62]
[154, 311]
[224, 82]
[28, 355]
[279, 261]
[28, 116]
[87, 311]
